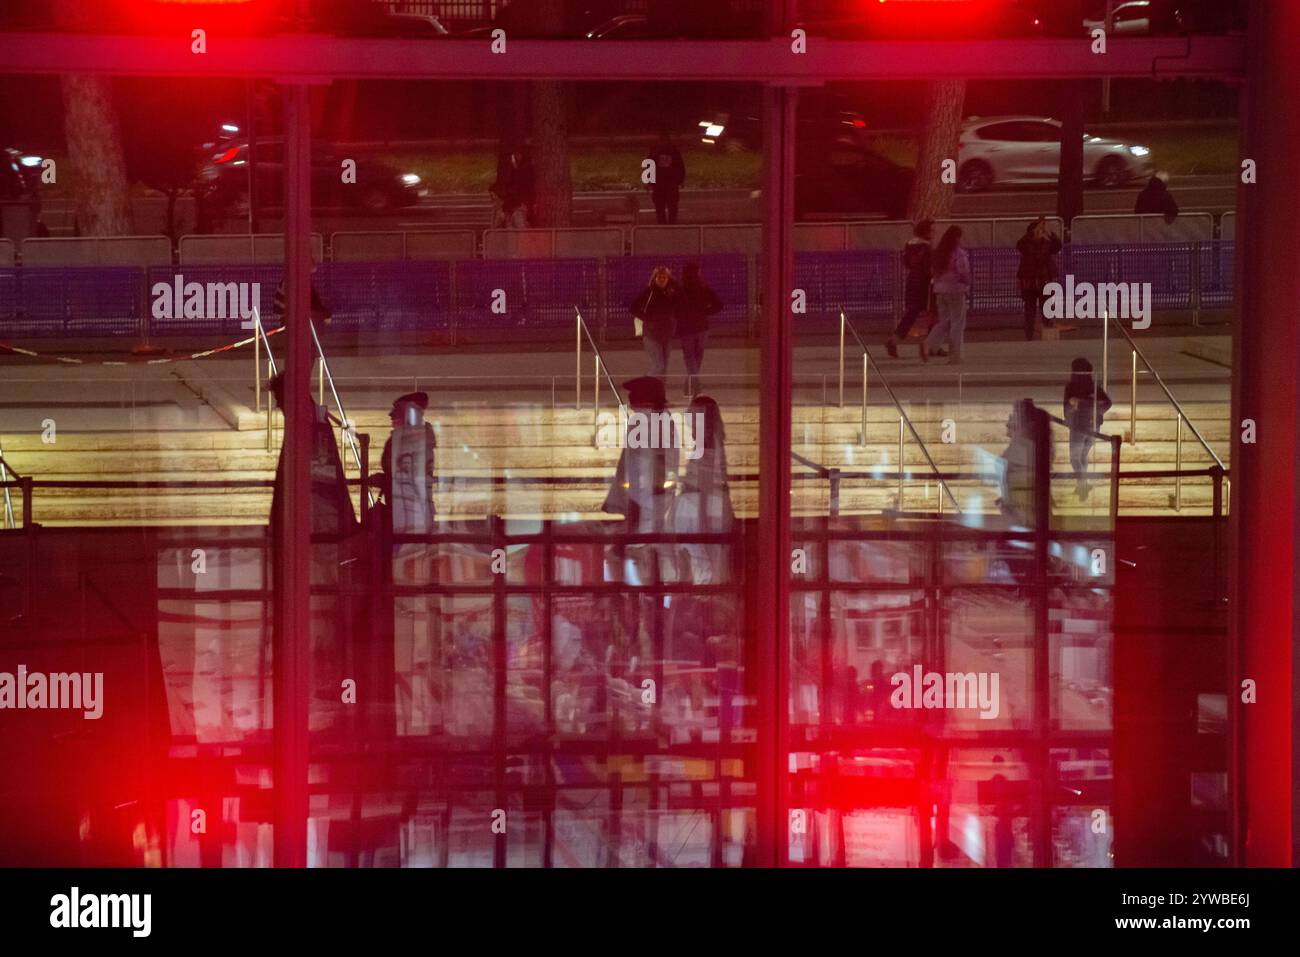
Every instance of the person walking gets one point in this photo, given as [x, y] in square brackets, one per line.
[703, 503]
[916, 290]
[319, 312]
[1038, 248]
[669, 175]
[951, 283]
[513, 190]
[655, 311]
[699, 302]
[1155, 199]
[1086, 404]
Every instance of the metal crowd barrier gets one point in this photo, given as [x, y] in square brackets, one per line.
[461, 295]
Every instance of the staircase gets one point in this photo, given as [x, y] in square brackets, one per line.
[528, 443]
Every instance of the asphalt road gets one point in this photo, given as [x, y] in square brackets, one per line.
[1214, 194]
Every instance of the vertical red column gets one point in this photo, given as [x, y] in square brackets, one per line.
[1266, 363]
[292, 663]
[771, 586]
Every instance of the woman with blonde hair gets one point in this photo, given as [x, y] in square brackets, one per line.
[655, 313]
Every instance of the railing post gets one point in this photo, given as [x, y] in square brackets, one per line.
[1133, 400]
[257, 370]
[364, 465]
[833, 476]
[1115, 444]
[270, 416]
[1178, 463]
[841, 358]
[577, 360]
[595, 398]
[900, 463]
[865, 366]
[320, 380]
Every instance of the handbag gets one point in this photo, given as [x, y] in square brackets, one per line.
[638, 325]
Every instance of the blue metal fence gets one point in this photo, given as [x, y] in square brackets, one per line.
[387, 296]
[538, 293]
[541, 293]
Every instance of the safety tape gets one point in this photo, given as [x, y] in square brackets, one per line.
[74, 361]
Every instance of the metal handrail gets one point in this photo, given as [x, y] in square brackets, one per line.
[326, 376]
[599, 369]
[1180, 413]
[1169, 395]
[868, 361]
[4, 478]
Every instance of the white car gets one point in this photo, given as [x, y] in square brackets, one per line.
[1026, 150]
[1127, 19]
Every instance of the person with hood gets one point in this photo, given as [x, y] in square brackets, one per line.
[703, 503]
[952, 279]
[916, 291]
[1038, 249]
[1086, 404]
[1155, 199]
[669, 175]
[645, 479]
[655, 311]
[513, 190]
[699, 302]
[408, 466]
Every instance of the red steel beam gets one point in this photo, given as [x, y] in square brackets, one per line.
[316, 58]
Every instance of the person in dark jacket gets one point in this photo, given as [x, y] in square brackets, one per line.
[513, 191]
[916, 291]
[331, 504]
[1037, 247]
[699, 302]
[1155, 199]
[1086, 404]
[656, 310]
[669, 175]
[319, 313]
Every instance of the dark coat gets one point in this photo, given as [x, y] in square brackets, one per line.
[1155, 199]
[916, 260]
[515, 185]
[659, 309]
[670, 170]
[697, 304]
[1037, 267]
[1084, 387]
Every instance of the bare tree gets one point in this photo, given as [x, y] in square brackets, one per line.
[931, 197]
[100, 188]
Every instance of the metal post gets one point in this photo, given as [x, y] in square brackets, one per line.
[577, 359]
[769, 586]
[292, 636]
[842, 363]
[865, 367]
[595, 396]
[257, 371]
[320, 381]
[900, 463]
[1178, 462]
[1105, 352]
[1133, 401]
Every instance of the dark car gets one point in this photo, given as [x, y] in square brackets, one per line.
[741, 132]
[847, 182]
[378, 189]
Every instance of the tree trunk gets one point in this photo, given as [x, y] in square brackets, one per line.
[550, 120]
[99, 189]
[1069, 195]
[931, 197]
[554, 203]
